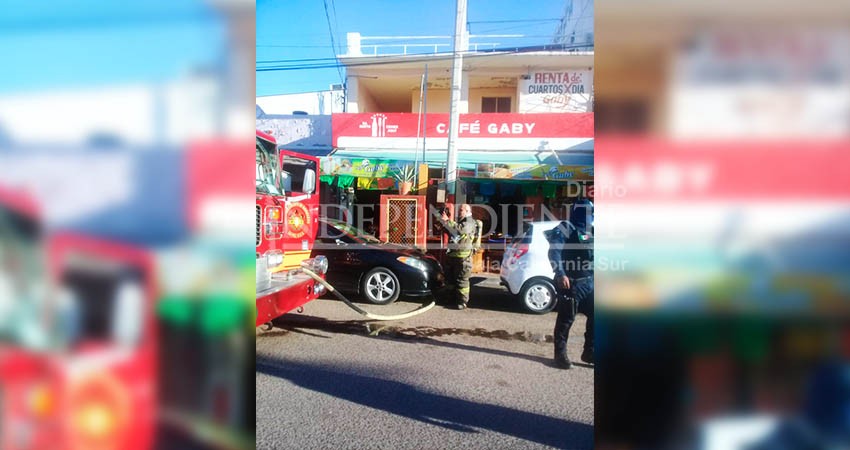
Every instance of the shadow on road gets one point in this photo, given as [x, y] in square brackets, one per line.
[484, 294]
[413, 335]
[440, 410]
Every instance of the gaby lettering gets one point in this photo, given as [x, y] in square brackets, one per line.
[512, 128]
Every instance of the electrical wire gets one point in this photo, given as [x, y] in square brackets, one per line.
[333, 41]
[514, 21]
[422, 58]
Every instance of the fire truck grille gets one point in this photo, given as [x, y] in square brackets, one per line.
[259, 225]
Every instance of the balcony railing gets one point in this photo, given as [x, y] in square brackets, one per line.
[402, 45]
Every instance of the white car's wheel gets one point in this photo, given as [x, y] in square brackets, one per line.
[538, 296]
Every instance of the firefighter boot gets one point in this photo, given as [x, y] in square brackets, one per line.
[587, 355]
[562, 361]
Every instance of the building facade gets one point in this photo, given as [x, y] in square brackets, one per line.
[525, 128]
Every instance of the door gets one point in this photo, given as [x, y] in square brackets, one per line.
[403, 220]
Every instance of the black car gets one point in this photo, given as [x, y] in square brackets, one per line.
[380, 272]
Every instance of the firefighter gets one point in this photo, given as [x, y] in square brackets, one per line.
[571, 256]
[459, 254]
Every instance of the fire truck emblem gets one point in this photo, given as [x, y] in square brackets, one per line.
[100, 413]
[297, 220]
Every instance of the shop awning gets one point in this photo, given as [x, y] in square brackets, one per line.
[540, 165]
[468, 159]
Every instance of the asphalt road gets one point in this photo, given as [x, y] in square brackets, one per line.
[447, 379]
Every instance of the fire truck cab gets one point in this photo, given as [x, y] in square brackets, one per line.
[77, 352]
[287, 213]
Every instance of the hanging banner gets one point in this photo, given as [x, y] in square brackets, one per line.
[556, 91]
[363, 167]
[534, 172]
[356, 167]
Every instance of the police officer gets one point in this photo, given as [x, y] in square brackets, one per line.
[571, 256]
[459, 254]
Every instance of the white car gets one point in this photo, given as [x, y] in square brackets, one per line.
[526, 270]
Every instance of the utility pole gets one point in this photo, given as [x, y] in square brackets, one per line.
[424, 112]
[457, 79]
[418, 131]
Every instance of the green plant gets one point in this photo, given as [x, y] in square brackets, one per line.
[405, 174]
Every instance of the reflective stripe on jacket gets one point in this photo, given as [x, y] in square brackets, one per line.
[462, 236]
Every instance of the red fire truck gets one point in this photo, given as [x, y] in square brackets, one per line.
[77, 358]
[287, 212]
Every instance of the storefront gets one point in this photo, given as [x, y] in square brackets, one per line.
[352, 186]
[511, 167]
[524, 193]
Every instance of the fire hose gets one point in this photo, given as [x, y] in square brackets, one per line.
[362, 311]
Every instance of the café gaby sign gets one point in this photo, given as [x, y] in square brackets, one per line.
[476, 131]
[556, 91]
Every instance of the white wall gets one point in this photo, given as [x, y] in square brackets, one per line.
[314, 103]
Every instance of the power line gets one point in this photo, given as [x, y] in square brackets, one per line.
[562, 27]
[424, 58]
[333, 43]
[278, 61]
[516, 27]
[336, 22]
[296, 46]
[283, 61]
[513, 21]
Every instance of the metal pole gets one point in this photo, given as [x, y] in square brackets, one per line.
[424, 113]
[418, 130]
[454, 112]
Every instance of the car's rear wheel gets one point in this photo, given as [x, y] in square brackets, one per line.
[538, 296]
[380, 286]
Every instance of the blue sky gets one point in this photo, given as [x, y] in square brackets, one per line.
[298, 29]
[91, 42]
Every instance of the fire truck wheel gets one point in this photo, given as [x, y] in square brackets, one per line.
[380, 286]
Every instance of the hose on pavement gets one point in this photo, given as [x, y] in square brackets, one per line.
[362, 311]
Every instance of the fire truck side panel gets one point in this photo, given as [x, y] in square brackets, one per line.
[285, 231]
[301, 218]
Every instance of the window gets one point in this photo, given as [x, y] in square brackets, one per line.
[101, 303]
[299, 175]
[495, 104]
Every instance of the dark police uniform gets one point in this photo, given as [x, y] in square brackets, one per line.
[459, 258]
[571, 255]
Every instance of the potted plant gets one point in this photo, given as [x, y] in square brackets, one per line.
[405, 176]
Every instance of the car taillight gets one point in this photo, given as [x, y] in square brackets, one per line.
[520, 250]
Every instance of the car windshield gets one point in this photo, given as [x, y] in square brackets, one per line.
[356, 234]
[22, 281]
